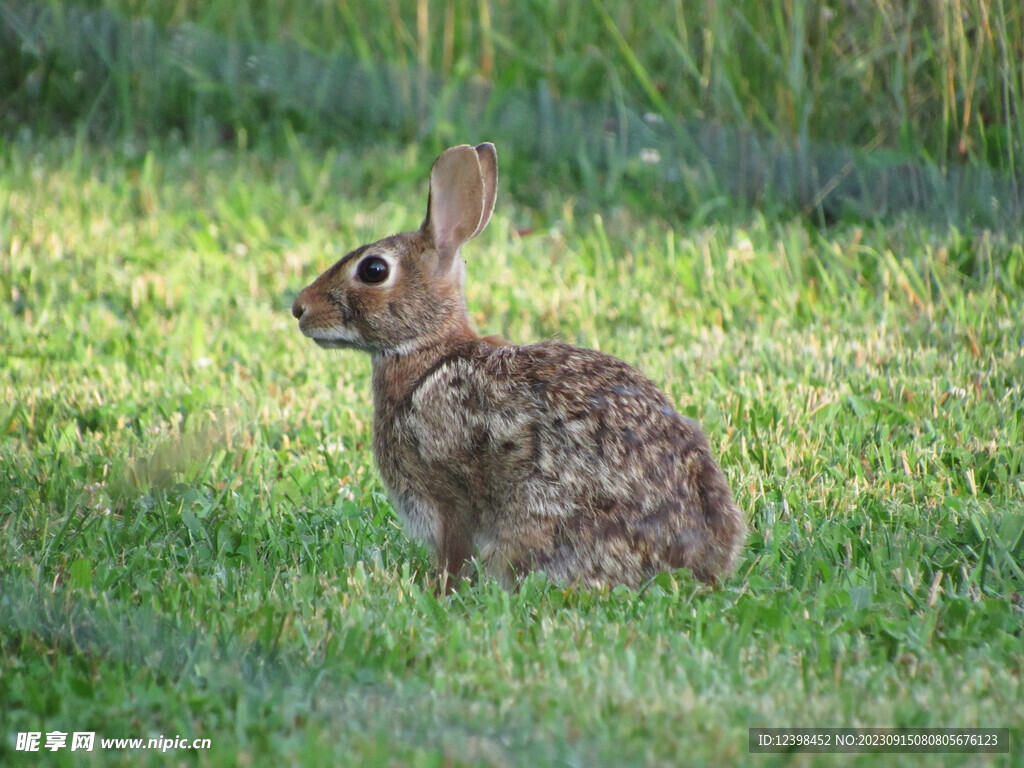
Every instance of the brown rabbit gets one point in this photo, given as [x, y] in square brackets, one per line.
[543, 456]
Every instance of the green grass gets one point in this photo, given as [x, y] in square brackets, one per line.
[835, 111]
[194, 540]
[946, 79]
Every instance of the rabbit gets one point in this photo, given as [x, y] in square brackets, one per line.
[541, 457]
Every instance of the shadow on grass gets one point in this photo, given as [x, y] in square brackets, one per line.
[166, 675]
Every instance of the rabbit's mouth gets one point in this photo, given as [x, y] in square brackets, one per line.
[335, 337]
[334, 344]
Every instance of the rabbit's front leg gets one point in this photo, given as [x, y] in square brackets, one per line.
[439, 530]
[454, 551]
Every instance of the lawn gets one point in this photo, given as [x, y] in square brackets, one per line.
[194, 539]
[196, 543]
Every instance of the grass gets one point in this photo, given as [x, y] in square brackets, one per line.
[194, 541]
[946, 79]
[787, 106]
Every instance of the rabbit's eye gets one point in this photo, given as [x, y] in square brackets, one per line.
[373, 269]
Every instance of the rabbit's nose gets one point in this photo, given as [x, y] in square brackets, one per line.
[298, 308]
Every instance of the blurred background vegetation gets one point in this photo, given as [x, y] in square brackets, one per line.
[685, 107]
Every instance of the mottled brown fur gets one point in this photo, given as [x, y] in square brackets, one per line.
[543, 456]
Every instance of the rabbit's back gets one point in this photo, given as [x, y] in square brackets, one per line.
[551, 457]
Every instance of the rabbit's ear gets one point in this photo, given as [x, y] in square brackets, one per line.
[489, 175]
[455, 207]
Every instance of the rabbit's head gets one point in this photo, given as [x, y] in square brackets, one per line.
[405, 291]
